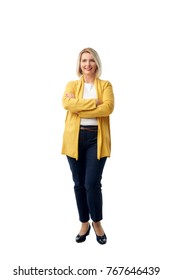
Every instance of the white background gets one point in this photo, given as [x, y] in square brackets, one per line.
[40, 42]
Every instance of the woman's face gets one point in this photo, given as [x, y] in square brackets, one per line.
[88, 65]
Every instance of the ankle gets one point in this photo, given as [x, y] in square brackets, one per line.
[86, 224]
[97, 224]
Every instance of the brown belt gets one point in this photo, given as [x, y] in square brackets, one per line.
[92, 129]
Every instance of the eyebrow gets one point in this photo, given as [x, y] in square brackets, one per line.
[92, 59]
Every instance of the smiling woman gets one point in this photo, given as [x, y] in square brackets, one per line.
[86, 141]
[88, 67]
[89, 64]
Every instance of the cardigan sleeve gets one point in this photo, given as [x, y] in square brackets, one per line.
[76, 104]
[104, 109]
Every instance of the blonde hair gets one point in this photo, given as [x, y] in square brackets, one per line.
[96, 58]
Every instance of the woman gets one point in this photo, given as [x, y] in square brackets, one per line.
[86, 140]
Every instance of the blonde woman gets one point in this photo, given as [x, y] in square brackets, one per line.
[89, 101]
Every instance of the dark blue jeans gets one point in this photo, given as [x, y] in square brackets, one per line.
[87, 175]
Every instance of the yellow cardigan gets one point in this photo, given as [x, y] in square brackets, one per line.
[86, 108]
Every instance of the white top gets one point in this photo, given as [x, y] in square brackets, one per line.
[89, 92]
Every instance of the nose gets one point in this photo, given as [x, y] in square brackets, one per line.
[87, 62]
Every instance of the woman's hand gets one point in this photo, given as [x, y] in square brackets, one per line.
[70, 95]
[98, 102]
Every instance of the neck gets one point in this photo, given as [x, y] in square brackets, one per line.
[89, 79]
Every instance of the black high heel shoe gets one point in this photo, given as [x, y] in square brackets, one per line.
[82, 238]
[100, 239]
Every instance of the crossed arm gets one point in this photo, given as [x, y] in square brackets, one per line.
[90, 108]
